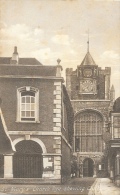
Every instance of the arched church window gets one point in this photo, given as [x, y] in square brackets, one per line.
[88, 131]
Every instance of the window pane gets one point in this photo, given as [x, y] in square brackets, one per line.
[23, 107]
[32, 100]
[27, 106]
[115, 133]
[23, 114]
[23, 99]
[32, 114]
[32, 106]
[28, 99]
[77, 144]
[27, 113]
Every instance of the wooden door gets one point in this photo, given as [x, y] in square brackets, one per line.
[88, 168]
[27, 166]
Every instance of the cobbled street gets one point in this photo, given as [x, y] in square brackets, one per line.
[74, 186]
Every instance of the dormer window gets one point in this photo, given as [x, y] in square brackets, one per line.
[28, 105]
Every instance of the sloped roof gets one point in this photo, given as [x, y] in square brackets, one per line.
[5, 144]
[88, 60]
[28, 70]
[25, 67]
[23, 61]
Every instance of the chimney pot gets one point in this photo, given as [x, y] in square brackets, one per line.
[15, 50]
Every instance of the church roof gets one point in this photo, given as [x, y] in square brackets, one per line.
[88, 60]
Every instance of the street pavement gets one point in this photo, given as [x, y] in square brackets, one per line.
[104, 186]
[79, 186]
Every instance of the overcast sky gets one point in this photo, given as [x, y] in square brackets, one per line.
[52, 29]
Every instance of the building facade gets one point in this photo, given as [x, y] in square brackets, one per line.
[89, 90]
[35, 111]
[114, 144]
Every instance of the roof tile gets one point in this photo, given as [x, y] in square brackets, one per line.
[88, 60]
[23, 61]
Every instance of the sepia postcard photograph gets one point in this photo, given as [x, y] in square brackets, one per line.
[60, 97]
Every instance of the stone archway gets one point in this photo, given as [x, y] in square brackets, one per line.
[88, 167]
[28, 160]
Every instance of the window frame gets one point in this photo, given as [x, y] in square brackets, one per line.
[116, 132]
[85, 121]
[26, 89]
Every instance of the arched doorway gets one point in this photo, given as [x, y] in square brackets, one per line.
[88, 165]
[28, 160]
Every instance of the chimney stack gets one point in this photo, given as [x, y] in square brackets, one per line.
[15, 57]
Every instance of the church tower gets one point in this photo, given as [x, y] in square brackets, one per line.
[89, 90]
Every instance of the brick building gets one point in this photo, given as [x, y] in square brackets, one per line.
[114, 144]
[35, 134]
[89, 90]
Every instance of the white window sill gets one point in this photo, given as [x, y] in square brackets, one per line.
[27, 122]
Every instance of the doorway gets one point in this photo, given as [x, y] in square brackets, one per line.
[88, 166]
[28, 160]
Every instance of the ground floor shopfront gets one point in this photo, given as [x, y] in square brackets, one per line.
[114, 161]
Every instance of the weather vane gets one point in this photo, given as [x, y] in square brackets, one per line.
[88, 41]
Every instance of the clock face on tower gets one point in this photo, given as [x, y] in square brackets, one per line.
[86, 86]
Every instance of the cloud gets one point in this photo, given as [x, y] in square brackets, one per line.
[32, 42]
[46, 55]
[116, 75]
[20, 31]
[21, 35]
[62, 39]
[14, 31]
[110, 54]
[2, 25]
[38, 32]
